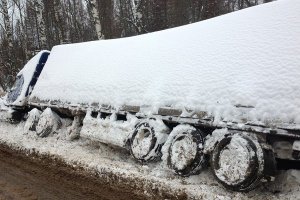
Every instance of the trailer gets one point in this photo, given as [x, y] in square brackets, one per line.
[223, 93]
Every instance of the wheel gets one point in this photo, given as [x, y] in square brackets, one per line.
[147, 140]
[48, 123]
[32, 120]
[238, 162]
[185, 150]
[15, 116]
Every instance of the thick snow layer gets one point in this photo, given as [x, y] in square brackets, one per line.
[106, 160]
[246, 58]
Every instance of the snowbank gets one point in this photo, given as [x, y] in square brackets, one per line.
[105, 160]
[247, 58]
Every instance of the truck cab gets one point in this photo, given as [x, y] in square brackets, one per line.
[26, 80]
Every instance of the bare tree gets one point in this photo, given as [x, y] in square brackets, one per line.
[96, 18]
[39, 5]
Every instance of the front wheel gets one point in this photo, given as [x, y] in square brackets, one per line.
[48, 123]
[32, 120]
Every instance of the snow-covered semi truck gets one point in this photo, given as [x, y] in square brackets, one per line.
[225, 90]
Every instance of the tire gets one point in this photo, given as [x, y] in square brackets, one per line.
[147, 140]
[185, 152]
[32, 120]
[237, 162]
[48, 123]
[15, 116]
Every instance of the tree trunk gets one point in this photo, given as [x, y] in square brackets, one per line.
[96, 18]
[7, 26]
[39, 5]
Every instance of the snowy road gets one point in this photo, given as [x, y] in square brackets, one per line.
[23, 178]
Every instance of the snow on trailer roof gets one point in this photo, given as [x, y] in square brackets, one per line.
[249, 58]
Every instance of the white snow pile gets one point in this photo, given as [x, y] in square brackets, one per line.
[105, 160]
[249, 58]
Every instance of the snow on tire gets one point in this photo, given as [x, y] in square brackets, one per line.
[32, 120]
[183, 151]
[48, 123]
[147, 140]
[237, 162]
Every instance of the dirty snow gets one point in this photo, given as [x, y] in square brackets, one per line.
[101, 158]
[246, 58]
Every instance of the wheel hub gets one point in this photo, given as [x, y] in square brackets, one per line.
[142, 142]
[183, 152]
[234, 161]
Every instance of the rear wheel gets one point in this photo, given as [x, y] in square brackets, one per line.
[185, 151]
[238, 162]
[147, 140]
[48, 123]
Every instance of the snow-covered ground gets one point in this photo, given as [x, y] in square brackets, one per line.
[102, 159]
[248, 58]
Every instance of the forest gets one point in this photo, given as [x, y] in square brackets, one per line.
[28, 26]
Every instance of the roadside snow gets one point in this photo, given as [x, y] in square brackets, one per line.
[103, 159]
[246, 58]
[2, 105]
[1, 92]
